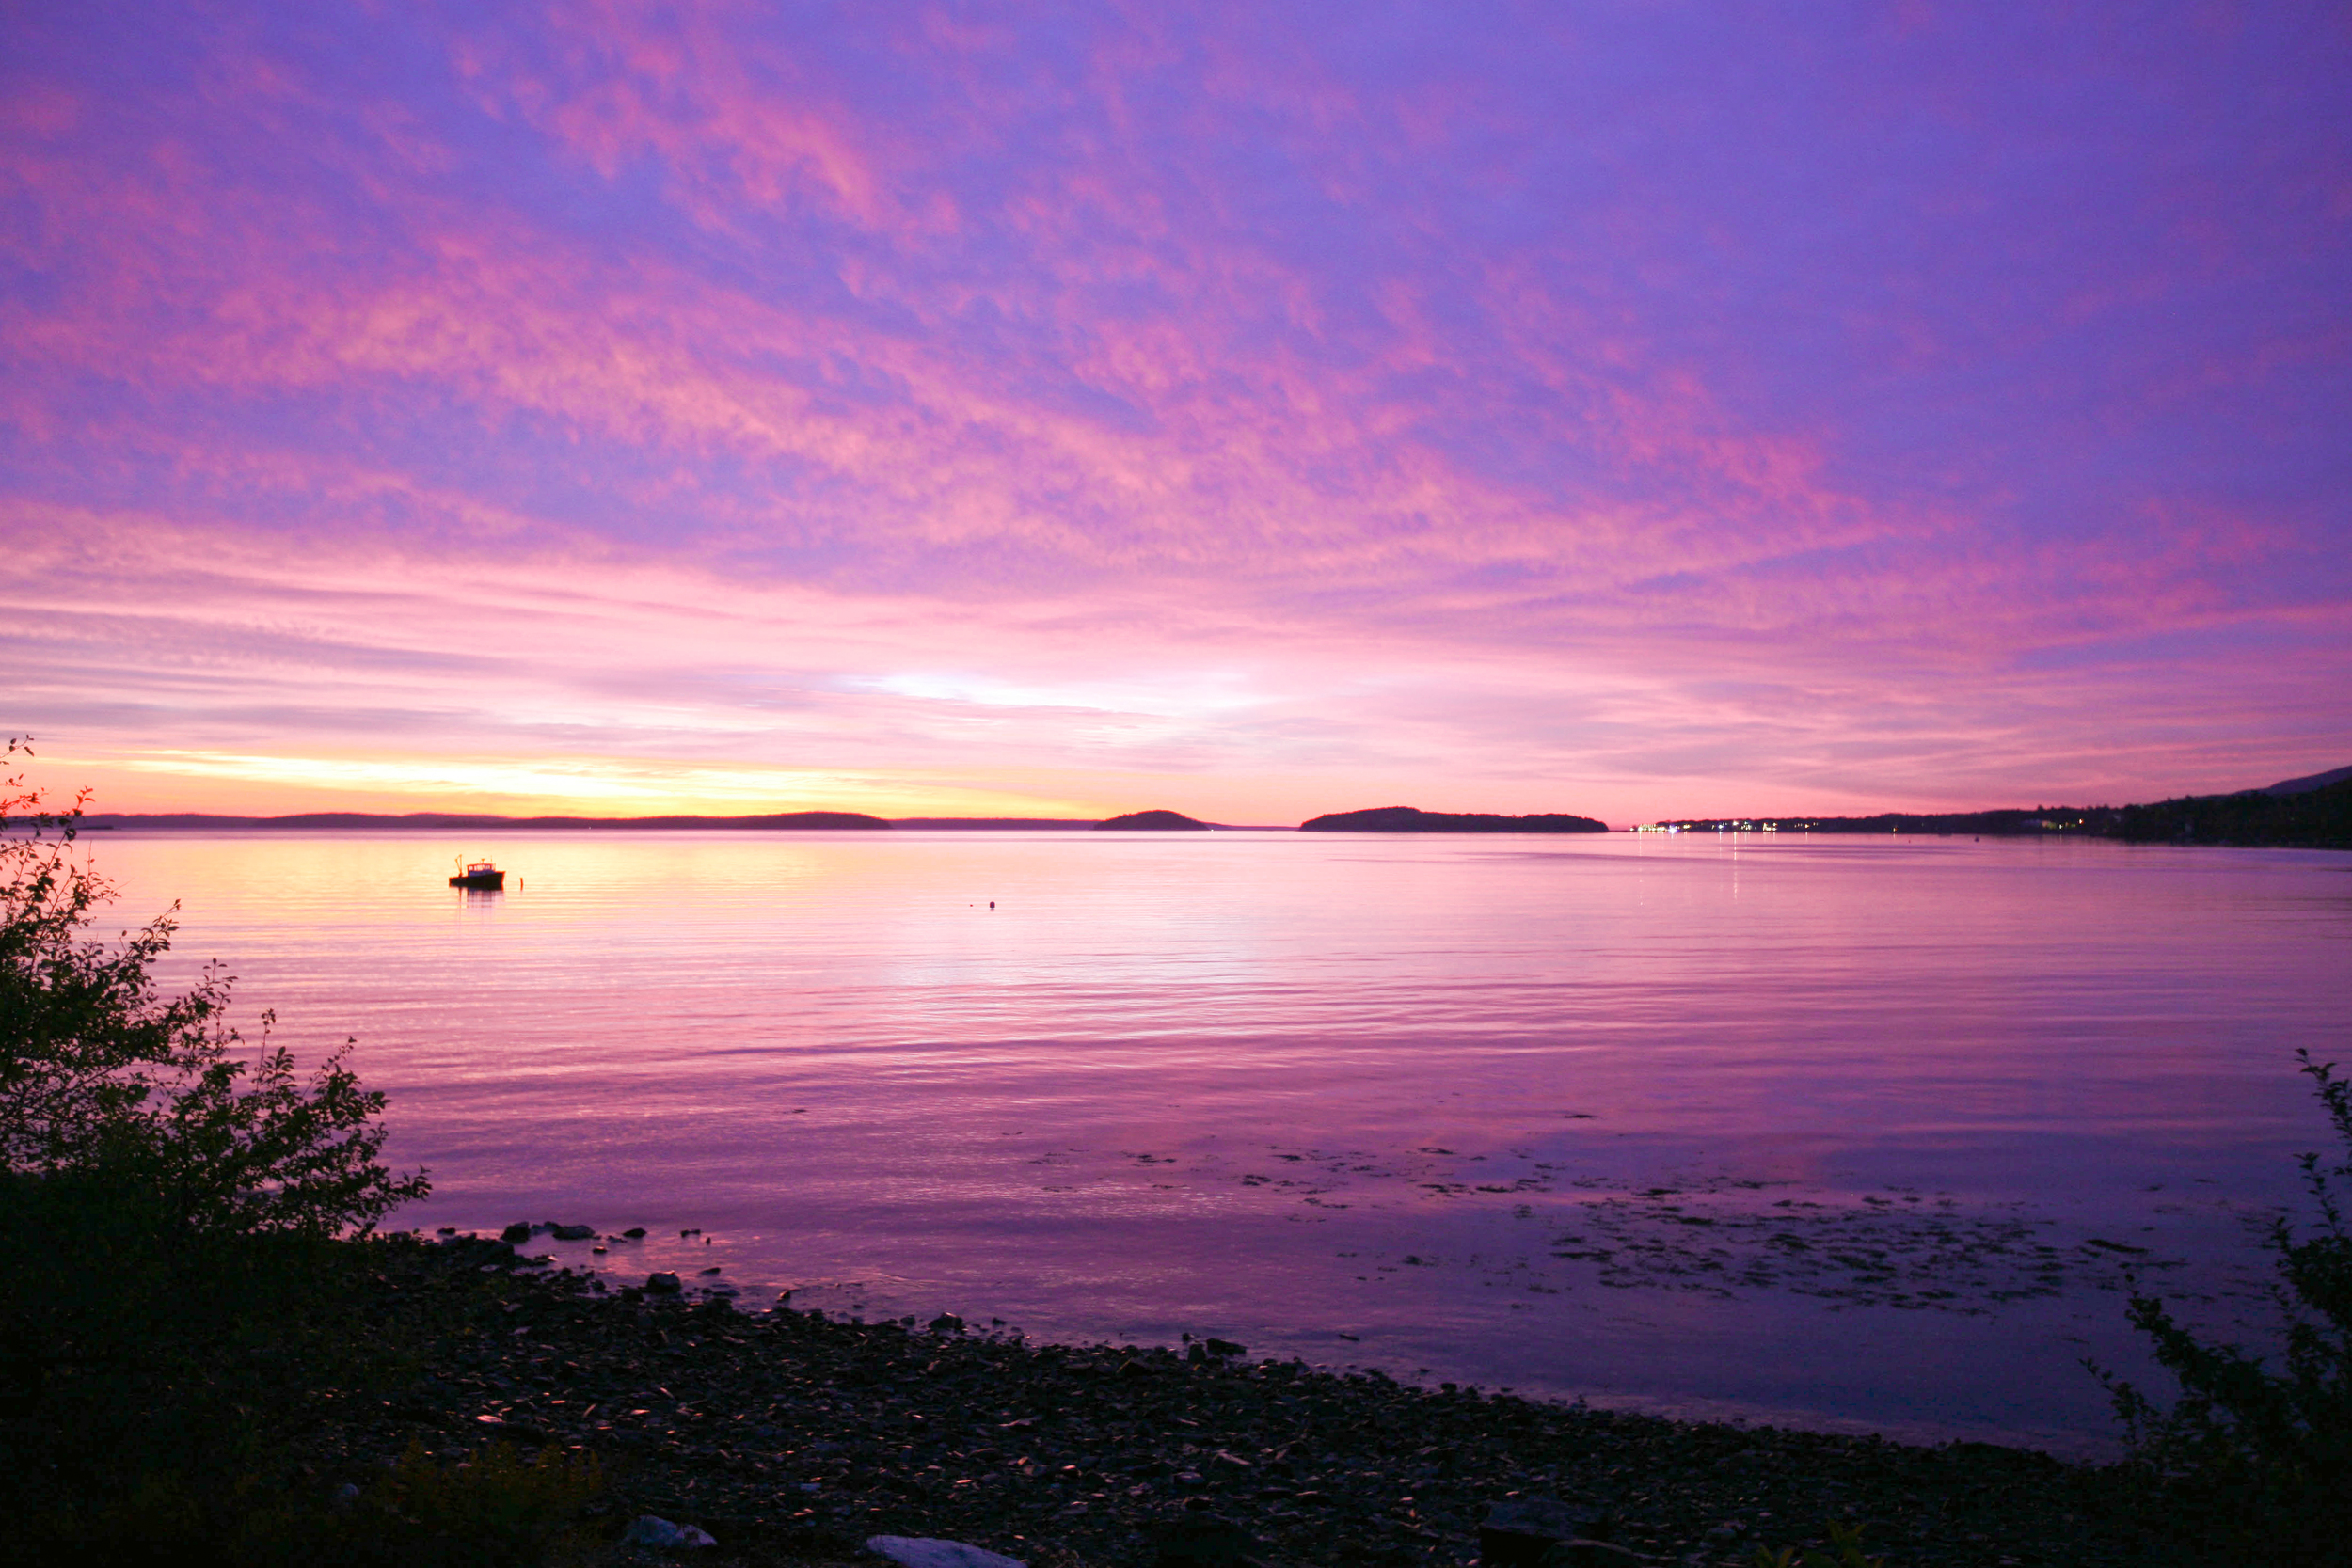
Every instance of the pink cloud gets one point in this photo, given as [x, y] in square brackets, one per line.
[669, 690]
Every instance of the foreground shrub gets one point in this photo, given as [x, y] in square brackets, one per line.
[2249, 1457]
[175, 1278]
[101, 1077]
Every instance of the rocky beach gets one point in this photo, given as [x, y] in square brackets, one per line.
[790, 1437]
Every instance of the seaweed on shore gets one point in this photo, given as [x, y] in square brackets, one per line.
[1908, 1253]
[1731, 1238]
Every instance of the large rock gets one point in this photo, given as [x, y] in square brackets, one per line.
[663, 1536]
[921, 1551]
[663, 1284]
[480, 1250]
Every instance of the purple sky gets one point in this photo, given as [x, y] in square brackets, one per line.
[1637, 409]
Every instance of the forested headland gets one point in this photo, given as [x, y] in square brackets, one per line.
[2317, 818]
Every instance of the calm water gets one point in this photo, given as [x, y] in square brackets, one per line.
[1823, 1132]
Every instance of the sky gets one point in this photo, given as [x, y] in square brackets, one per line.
[1636, 409]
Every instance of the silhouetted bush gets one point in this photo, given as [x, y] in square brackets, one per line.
[105, 1081]
[1844, 1551]
[2250, 1458]
[175, 1274]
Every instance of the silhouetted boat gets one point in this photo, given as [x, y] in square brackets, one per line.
[479, 874]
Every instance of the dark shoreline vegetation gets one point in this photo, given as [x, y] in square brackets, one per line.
[2278, 817]
[208, 1356]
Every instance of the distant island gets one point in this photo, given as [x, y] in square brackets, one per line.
[1407, 819]
[1153, 822]
[2309, 813]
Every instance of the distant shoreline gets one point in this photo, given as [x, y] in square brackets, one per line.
[2297, 814]
[2314, 813]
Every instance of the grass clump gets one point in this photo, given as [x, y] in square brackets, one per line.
[2252, 1458]
[1845, 1551]
[490, 1509]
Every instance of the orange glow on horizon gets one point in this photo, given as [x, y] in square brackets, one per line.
[257, 785]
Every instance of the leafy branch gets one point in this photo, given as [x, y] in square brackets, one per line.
[2256, 1456]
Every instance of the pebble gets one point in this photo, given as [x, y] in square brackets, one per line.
[787, 1431]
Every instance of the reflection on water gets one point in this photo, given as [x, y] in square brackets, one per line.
[1812, 1130]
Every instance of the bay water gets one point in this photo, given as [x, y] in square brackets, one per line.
[1850, 1133]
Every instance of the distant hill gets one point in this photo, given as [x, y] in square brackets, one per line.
[444, 821]
[1407, 819]
[1153, 822]
[2310, 782]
